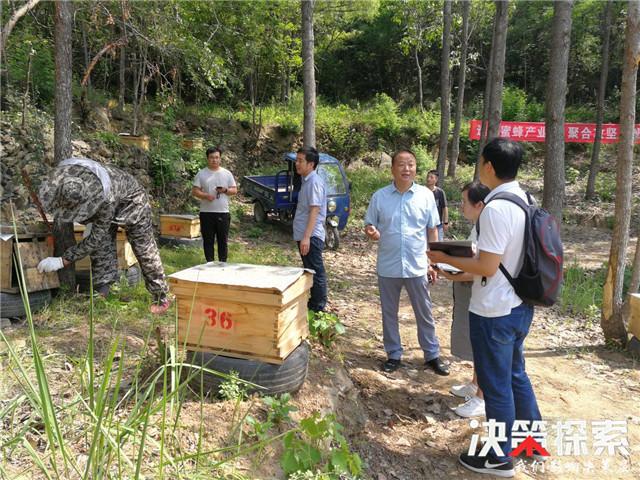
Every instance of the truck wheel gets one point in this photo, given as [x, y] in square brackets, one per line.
[331, 238]
[11, 304]
[274, 379]
[259, 215]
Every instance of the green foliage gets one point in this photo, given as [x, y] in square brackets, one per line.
[571, 174]
[20, 47]
[325, 327]
[582, 290]
[319, 445]
[279, 408]
[233, 388]
[383, 116]
[364, 183]
[514, 104]
[606, 186]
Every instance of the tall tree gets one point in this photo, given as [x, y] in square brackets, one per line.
[612, 321]
[309, 77]
[63, 232]
[553, 197]
[445, 91]
[602, 87]
[455, 143]
[495, 77]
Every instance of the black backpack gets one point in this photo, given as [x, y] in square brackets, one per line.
[540, 278]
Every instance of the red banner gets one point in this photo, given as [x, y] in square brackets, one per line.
[573, 132]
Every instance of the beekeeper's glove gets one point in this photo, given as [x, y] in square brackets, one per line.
[50, 264]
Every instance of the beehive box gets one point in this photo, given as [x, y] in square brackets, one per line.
[634, 320]
[32, 248]
[126, 257]
[244, 311]
[183, 226]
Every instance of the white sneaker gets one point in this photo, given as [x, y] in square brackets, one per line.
[464, 391]
[474, 407]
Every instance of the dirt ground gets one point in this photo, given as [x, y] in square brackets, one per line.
[401, 424]
[405, 428]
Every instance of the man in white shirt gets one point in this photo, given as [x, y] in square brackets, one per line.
[213, 186]
[499, 321]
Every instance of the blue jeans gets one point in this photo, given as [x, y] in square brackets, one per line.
[313, 261]
[440, 232]
[498, 358]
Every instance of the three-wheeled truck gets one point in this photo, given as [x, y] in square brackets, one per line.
[277, 195]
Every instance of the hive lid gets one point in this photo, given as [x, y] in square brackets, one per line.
[242, 275]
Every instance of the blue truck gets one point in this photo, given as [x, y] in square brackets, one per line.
[277, 195]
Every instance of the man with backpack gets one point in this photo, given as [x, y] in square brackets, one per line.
[499, 318]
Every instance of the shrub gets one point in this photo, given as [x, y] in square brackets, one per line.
[325, 327]
[514, 104]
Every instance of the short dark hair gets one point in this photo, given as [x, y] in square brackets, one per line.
[433, 172]
[215, 149]
[505, 156]
[476, 191]
[404, 150]
[310, 155]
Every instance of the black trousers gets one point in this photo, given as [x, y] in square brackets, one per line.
[215, 226]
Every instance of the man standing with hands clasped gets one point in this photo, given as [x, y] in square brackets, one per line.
[400, 217]
[213, 186]
[308, 224]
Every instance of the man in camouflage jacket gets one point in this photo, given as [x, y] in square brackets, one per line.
[84, 191]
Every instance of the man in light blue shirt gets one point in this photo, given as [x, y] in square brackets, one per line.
[308, 224]
[401, 216]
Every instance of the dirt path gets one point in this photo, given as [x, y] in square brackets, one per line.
[410, 431]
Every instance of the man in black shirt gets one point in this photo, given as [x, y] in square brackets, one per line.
[441, 202]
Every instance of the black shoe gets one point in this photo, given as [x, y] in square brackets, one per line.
[438, 366]
[487, 465]
[391, 365]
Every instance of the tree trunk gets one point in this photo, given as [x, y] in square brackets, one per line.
[553, 198]
[495, 78]
[602, 87]
[63, 232]
[445, 92]
[455, 144]
[121, 77]
[308, 73]
[85, 52]
[497, 75]
[612, 321]
[420, 89]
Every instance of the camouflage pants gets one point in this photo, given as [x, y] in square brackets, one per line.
[104, 262]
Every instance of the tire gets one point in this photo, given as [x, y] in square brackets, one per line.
[275, 379]
[11, 303]
[331, 238]
[133, 275]
[259, 215]
[180, 242]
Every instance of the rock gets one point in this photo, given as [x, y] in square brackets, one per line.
[100, 118]
[5, 323]
[80, 145]
[385, 160]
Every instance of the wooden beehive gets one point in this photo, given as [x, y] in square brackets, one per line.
[32, 248]
[183, 226]
[634, 319]
[245, 311]
[141, 141]
[126, 257]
